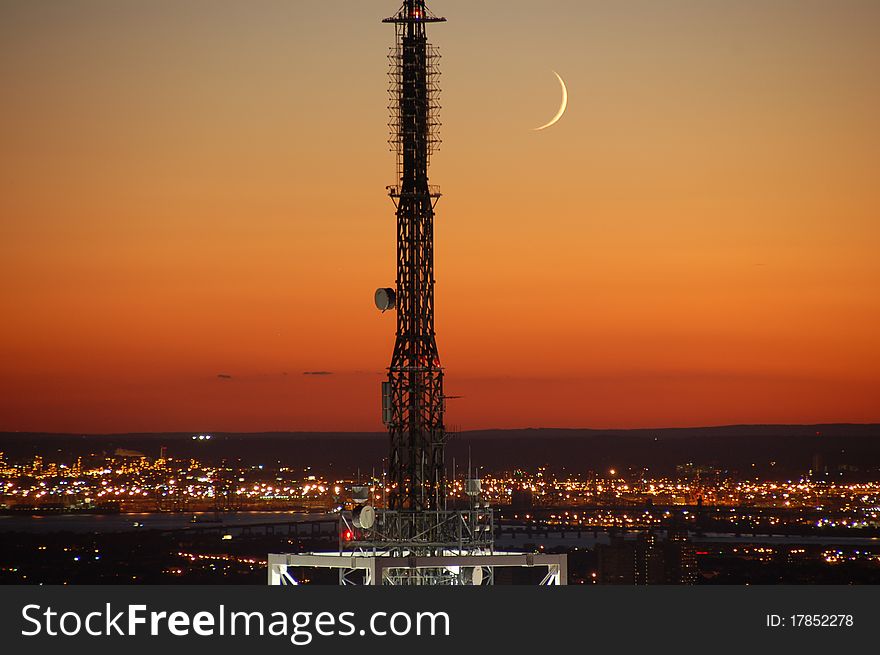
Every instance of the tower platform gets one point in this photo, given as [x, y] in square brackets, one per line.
[360, 568]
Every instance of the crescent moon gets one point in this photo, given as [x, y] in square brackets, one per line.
[561, 107]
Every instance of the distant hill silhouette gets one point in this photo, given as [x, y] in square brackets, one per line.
[767, 450]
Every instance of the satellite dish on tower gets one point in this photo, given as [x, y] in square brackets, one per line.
[472, 575]
[360, 494]
[364, 517]
[385, 299]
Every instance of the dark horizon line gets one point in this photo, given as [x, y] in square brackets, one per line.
[478, 430]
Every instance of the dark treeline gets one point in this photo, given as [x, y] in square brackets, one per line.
[767, 451]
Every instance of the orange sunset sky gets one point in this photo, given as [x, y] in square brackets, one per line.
[194, 189]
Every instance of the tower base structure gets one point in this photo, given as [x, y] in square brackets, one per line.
[447, 569]
[441, 547]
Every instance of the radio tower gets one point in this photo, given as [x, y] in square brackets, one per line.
[415, 539]
[413, 395]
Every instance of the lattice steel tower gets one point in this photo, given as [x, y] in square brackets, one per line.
[415, 539]
[413, 399]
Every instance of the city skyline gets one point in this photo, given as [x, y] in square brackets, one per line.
[194, 218]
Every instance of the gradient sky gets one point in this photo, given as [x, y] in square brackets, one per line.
[191, 189]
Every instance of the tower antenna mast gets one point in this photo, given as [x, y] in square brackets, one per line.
[415, 539]
[413, 400]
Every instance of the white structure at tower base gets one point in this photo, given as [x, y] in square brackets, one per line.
[360, 568]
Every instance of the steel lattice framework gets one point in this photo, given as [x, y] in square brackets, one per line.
[416, 522]
[415, 539]
[414, 393]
